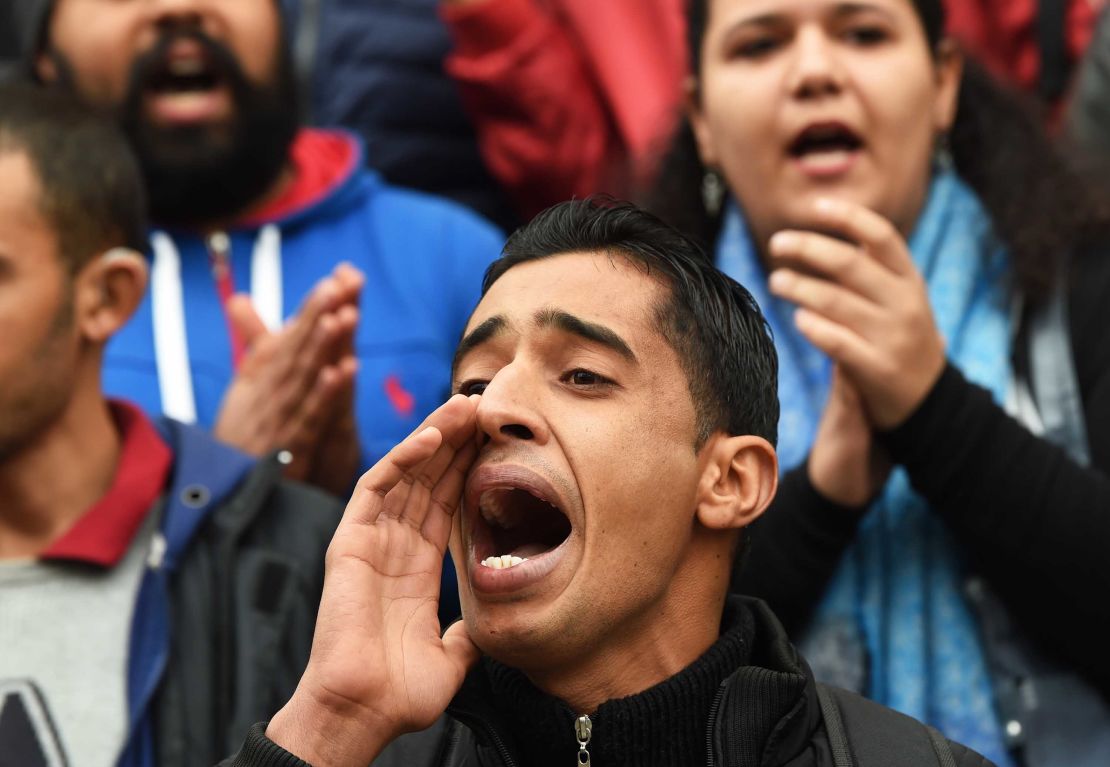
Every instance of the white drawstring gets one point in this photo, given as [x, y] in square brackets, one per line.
[171, 342]
[266, 287]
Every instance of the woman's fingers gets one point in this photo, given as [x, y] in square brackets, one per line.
[868, 229]
[854, 352]
[833, 259]
[829, 299]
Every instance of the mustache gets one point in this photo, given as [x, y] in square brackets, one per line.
[150, 67]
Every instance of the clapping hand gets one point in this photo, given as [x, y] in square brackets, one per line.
[862, 301]
[295, 387]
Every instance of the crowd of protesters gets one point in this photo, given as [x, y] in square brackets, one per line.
[840, 373]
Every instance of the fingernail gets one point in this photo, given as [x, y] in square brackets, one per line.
[778, 281]
[783, 241]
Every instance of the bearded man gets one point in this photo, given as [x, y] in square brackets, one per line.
[337, 345]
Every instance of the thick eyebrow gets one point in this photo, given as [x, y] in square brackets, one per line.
[484, 332]
[775, 18]
[851, 9]
[598, 334]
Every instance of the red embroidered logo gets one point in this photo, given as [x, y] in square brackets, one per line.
[403, 402]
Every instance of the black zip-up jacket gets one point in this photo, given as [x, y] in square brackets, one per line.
[765, 711]
[242, 605]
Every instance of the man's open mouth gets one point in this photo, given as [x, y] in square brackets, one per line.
[190, 74]
[187, 84]
[516, 524]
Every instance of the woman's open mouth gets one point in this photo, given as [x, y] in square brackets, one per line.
[825, 149]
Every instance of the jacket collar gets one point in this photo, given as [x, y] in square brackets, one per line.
[766, 711]
[205, 473]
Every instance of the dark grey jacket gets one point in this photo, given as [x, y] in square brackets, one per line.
[240, 603]
[769, 712]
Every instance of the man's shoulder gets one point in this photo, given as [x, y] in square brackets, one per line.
[243, 496]
[876, 735]
[267, 509]
[398, 208]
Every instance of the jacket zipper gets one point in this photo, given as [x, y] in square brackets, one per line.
[583, 730]
[712, 725]
[219, 254]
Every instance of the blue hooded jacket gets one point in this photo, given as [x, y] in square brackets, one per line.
[423, 259]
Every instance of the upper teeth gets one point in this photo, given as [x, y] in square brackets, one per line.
[503, 561]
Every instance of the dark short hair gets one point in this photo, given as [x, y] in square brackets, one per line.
[91, 187]
[710, 320]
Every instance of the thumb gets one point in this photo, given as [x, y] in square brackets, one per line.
[244, 318]
[460, 649]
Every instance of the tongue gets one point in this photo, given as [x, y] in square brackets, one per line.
[529, 550]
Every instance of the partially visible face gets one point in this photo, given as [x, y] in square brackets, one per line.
[40, 346]
[203, 88]
[588, 470]
[800, 99]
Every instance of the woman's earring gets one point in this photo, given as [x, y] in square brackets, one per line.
[712, 192]
[942, 154]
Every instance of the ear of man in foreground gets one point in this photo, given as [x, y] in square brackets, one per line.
[610, 439]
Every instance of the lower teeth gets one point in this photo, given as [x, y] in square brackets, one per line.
[503, 562]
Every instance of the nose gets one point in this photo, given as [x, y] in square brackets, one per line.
[509, 410]
[816, 68]
[174, 14]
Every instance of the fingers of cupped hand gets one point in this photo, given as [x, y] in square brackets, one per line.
[389, 474]
[452, 422]
[438, 481]
[872, 231]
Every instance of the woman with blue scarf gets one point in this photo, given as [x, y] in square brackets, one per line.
[941, 539]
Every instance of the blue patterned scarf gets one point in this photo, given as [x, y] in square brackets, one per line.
[899, 590]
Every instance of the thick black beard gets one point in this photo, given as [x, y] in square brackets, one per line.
[200, 176]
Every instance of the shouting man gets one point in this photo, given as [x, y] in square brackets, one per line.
[610, 439]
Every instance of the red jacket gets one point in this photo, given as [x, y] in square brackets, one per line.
[1003, 34]
[569, 97]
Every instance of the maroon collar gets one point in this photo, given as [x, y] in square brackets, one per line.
[322, 160]
[103, 533]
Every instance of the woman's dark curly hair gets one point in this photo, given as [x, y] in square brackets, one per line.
[1039, 204]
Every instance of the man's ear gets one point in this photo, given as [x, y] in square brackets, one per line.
[740, 478]
[949, 76]
[46, 69]
[108, 291]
